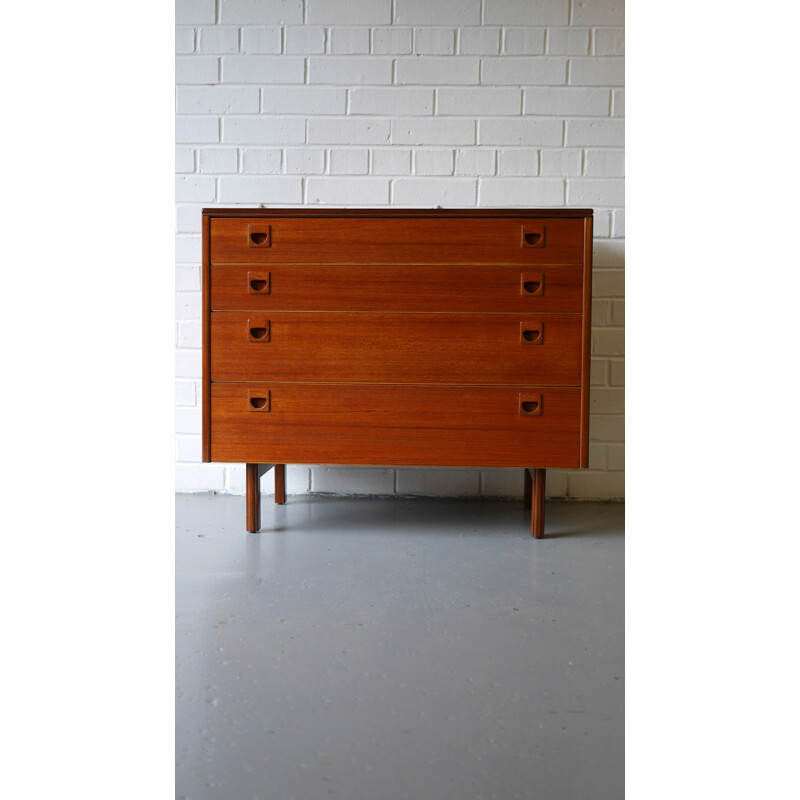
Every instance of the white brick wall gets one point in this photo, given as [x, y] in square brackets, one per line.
[407, 103]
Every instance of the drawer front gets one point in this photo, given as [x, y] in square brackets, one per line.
[469, 426]
[337, 287]
[396, 348]
[266, 240]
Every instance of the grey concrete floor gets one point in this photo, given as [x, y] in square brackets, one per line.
[390, 649]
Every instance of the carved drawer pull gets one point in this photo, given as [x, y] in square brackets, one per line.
[258, 330]
[533, 235]
[258, 282]
[532, 284]
[258, 235]
[530, 405]
[258, 401]
[531, 332]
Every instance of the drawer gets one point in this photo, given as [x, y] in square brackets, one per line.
[396, 240]
[416, 287]
[463, 426]
[396, 348]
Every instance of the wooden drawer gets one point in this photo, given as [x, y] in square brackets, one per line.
[337, 287]
[444, 240]
[540, 349]
[464, 426]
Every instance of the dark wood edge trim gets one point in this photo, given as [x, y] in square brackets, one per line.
[206, 332]
[400, 212]
[586, 355]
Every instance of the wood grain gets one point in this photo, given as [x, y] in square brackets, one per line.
[467, 426]
[396, 348]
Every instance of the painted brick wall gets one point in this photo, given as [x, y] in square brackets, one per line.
[454, 103]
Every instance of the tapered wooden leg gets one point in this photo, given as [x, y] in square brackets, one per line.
[537, 503]
[280, 483]
[526, 495]
[253, 499]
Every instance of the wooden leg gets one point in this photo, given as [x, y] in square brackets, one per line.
[537, 503]
[526, 494]
[253, 498]
[280, 483]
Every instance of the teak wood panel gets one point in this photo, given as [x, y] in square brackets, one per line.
[470, 426]
[337, 287]
[396, 348]
[520, 240]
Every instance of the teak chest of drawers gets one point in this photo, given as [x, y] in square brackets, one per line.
[397, 337]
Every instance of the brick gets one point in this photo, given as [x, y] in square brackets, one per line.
[568, 41]
[189, 448]
[348, 131]
[217, 100]
[502, 483]
[600, 311]
[608, 283]
[432, 192]
[304, 161]
[441, 12]
[608, 254]
[514, 12]
[391, 101]
[597, 72]
[394, 41]
[187, 220]
[527, 132]
[604, 164]
[187, 277]
[196, 69]
[617, 312]
[190, 187]
[190, 334]
[303, 100]
[433, 131]
[356, 70]
[349, 480]
[286, 130]
[609, 42]
[616, 458]
[519, 162]
[263, 69]
[261, 40]
[479, 41]
[188, 248]
[484, 101]
[617, 373]
[618, 103]
[595, 132]
[566, 101]
[435, 41]
[185, 393]
[347, 191]
[598, 12]
[607, 428]
[188, 305]
[433, 162]
[438, 482]
[618, 223]
[195, 12]
[477, 161]
[272, 190]
[598, 457]
[349, 162]
[261, 160]
[602, 223]
[596, 192]
[184, 159]
[557, 163]
[598, 371]
[437, 70]
[608, 342]
[258, 12]
[218, 40]
[184, 40]
[188, 363]
[199, 477]
[349, 12]
[524, 41]
[539, 70]
[597, 485]
[348, 41]
[607, 401]
[531, 192]
[394, 161]
[304, 39]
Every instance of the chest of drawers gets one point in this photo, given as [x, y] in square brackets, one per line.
[397, 337]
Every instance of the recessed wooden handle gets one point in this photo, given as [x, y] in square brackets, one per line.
[533, 235]
[258, 330]
[258, 401]
[258, 282]
[531, 332]
[530, 404]
[259, 235]
[532, 284]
